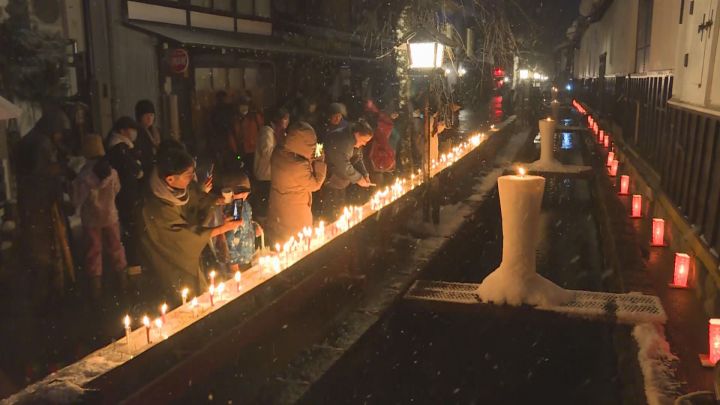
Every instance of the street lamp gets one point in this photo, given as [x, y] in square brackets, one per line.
[426, 54]
[524, 74]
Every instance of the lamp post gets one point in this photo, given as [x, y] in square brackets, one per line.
[426, 55]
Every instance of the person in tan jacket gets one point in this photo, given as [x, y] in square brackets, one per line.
[296, 173]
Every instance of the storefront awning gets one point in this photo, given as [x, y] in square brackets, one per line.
[202, 37]
[8, 110]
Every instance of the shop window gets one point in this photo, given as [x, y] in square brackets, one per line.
[203, 79]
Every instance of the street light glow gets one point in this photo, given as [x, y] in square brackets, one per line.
[426, 55]
[524, 74]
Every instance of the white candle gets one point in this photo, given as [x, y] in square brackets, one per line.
[212, 277]
[163, 311]
[238, 276]
[146, 322]
[126, 322]
[220, 290]
[159, 324]
[194, 306]
[212, 295]
[184, 295]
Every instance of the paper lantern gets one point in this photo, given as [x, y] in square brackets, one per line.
[624, 185]
[636, 206]
[682, 270]
[714, 340]
[611, 157]
[614, 168]
[606, 141]
[658, 232]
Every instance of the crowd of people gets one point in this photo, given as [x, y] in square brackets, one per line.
[157, 211]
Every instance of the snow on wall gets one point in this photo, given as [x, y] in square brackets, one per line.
[656, 362]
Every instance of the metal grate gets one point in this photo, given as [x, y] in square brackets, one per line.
[622, 308]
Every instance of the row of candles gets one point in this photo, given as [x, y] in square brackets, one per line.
[305, 242]
[682, 263]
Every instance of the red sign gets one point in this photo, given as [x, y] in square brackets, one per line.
[179, 60]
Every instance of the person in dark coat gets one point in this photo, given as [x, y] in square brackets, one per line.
[148, 137]
[40, 181]
[222, 120]
[336, 120]
[124, 157]
[171, 227]
[345, 166]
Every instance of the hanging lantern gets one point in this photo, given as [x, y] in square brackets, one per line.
[682, 271]
[425, 52]
[658, 232]
[636, 206]
[624, 185]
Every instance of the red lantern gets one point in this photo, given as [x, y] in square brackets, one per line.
[636, 206]
[682, 270]
[624, 185]
[606, 141]
[611, 157]
[658, 232]
[714, 341]
[614, 168]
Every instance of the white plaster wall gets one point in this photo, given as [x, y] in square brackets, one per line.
[663, 40]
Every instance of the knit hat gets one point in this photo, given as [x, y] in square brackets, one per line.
[93, 147]
[337, 108]
[144, 107]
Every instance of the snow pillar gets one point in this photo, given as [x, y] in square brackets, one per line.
[516, 281]
[547, 141]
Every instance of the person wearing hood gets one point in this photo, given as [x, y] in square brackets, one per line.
[271, 135]
[40, 180]
[124, 157]
[148, 138]
[171, 222]
[93, 193]
[297, 171]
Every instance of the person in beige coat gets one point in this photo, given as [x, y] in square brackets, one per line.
[296, 173]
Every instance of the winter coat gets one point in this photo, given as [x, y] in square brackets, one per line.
[265, 146]
[146, 145]
[249, 129]
[241, 241]
[295, 176]
[345, 161]
[172, 237]
[382, 154]
[124, 159]
[96, 198]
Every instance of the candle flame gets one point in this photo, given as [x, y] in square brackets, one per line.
[237, 276]
[126, 321]
[158, 323]
[194, 302]
[146, 321]
[212, 275]
[185, 292]
[522, 171]
[163, 308]
[221, 288]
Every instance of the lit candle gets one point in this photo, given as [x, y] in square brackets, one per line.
[714, 340]
[163, 311]
[212, 277]
[624, 185]
[238, 276]
[277, 248]
[220, 290]
[308, 236]
[126, 322]
[146, 322]
[614, 168]
[606, 141]
[658, 232]
[682, 270]
[184, 295]
[522, 171]
[212, 295]
[194, 306]
[159, 324]
[636, 206]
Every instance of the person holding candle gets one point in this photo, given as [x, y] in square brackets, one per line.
[171, 231]
[235, 249]
[296, 172]
[345, 166]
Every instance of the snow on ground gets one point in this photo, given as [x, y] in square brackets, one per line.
[656, 362]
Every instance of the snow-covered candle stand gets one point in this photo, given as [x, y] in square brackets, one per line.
[516, 281]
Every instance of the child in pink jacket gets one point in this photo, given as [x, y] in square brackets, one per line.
[94, 192]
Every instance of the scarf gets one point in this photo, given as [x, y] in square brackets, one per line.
[166, 193]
